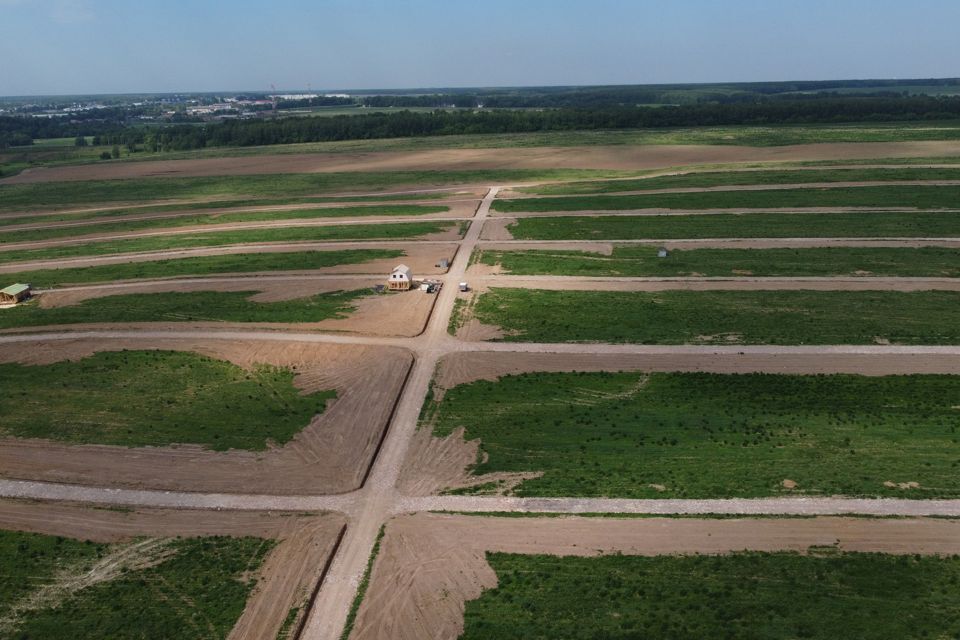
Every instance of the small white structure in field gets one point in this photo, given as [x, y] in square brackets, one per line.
[464, 286]
[662, 252]
[400, 278]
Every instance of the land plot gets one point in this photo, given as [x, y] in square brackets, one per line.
[443, 463]
[547, 151]
[866, 224]
[708, 179]
[283, 555]
[707, 435]
[46, 230]
[644, 261]
[430, 566]
[920, 197]
[58, 249]
[306, 302]
[321, 258]
[331, 454]
[717, 317]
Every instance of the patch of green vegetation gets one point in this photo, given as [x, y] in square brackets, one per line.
[280, 185]
[821, 595]
[31, 560]
[641, 261]
[197, 306]
[731, 178]
[333, 233]
[173, 222]
[920, 197]
[155, 398]
[723, 317]
[287, 627]
[703, 435]
[362, 587]
[874, 224]
[199, 591]
[205, 265]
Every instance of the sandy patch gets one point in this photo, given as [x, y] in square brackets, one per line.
[285, 579]
[331, 455]
[619, 157]
[497, 229]
[429, 565]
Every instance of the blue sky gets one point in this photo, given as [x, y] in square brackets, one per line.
[109, 46]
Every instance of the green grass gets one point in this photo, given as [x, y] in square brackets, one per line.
[197, 306]
[198, 591]
[290, 185]
[730, 178]
[749, 596]
[333, 233]
[155, 398]
[921, 197]
[723, 317]
[874, 224]
[204, 265]
[703, 435]
[639, 261]
[27, 235]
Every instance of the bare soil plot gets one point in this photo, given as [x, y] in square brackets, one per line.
[285, 580]
[436, 464]
[429, 565]
[623, 157]
[389, 314]
[331, 455]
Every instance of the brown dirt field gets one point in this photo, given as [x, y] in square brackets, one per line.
[429, 565]
[393, 314]
[621, 157]
[287, 576]
[419, 256]
[331, 454]
[496, 229]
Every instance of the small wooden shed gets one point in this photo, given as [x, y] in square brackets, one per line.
[14, 293]
[400, 278]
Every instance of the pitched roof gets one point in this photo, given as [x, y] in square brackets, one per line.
[15, 289]
[402, 268]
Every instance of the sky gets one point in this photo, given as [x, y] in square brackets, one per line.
[132, 46]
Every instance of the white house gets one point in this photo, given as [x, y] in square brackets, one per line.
[400, 278]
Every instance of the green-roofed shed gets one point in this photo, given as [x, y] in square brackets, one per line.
[14, 293]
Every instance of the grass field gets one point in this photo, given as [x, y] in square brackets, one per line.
[863, 224]
[28, 235]
[731, 178]
[641, 261]
[749, 596]
[155, 398]
[52, 194]
[221, 238]
[199, 306]
[195, 588]
[723, 317]
[920, 197]
[702, 435]
[204, 265]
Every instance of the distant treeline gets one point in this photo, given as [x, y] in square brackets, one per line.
[407, 124]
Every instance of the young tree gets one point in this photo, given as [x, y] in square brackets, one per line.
[115, 152]
[80, 141]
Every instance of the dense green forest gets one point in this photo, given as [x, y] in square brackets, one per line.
[405, 124]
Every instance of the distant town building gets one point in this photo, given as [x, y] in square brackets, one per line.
[400, 278]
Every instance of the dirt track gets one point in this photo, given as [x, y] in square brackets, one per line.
[287, 575]
[622, 157]
[429, 565]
